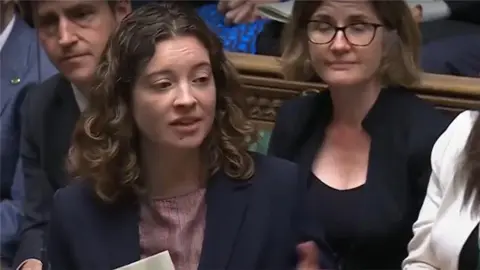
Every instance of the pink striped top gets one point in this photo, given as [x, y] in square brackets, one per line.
[175, 224]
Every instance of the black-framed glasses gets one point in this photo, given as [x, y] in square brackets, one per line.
[357, 34]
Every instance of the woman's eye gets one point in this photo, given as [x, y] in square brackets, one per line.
[324, 26]
[203, 79]
[162, 85]
[358, 27]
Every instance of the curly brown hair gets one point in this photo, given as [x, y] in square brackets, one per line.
[105, 147]
[400, 63]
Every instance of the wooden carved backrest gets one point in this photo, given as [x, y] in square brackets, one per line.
[267, 89]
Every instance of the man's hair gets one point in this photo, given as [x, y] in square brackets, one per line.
[25, 9]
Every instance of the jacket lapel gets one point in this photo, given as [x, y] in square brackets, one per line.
[318, 117]
[15, 61]
[227, 201]
[121, 236]
[63, 116]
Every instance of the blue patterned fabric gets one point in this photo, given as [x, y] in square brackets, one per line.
[237, 37]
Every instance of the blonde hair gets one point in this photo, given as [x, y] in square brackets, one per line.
[399, 64]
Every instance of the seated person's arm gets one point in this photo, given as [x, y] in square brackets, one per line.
[466, 11]
[289, 130]
[38, 192]
[57, 254]
[240, 11]
[428, 124]
[420, 254]
[11, 216]
[11, 174]
[430, 10]
[450, 9]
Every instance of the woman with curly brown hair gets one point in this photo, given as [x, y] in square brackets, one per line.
[161, 160]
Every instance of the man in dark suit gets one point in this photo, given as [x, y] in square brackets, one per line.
[451, 37]
[22, 63]
[74, 34]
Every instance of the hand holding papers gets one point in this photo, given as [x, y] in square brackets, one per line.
[279, 11]
[425, 10]
[160, 261]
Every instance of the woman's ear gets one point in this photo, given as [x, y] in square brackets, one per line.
[121, 9]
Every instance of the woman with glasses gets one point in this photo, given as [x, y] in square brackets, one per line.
[364, 144]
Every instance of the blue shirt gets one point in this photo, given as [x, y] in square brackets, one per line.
[236, 37]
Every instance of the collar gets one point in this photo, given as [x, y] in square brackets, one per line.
[6, 32]
[80, 98]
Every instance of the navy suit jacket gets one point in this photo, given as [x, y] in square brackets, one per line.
[464, 10]
[22, 64]
[249, 224]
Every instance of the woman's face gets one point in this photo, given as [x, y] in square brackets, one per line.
[174, 98]
[353, 56]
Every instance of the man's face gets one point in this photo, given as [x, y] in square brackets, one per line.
[74, 34]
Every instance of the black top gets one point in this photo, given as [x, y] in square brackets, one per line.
[339, 232]
[469, 257]
[368, 227]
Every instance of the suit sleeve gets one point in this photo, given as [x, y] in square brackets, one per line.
[11, 214]
[429, 124]
[58, 253]
[464, 10]
[419, 252]
[38, 190]
[420, 255]
[12, 178]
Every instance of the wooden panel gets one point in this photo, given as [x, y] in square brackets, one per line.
[450, 85]
[256, 64]
[267, 90]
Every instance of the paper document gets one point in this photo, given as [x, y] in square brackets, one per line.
[279, 11]
[160, 261]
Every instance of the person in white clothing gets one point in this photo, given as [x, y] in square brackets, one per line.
[446, 234]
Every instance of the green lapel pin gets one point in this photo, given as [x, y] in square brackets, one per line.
[15, 80]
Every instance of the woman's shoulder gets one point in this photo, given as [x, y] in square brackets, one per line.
[77, 192]
[272, 165]
[78, 199]
[302, 104]
[455, 137]
[401, 97]
[294, 115]
[277, 171]
[419, 117]
[277, 178]
[446, 153]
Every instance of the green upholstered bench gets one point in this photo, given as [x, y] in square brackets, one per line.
[261, 146]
